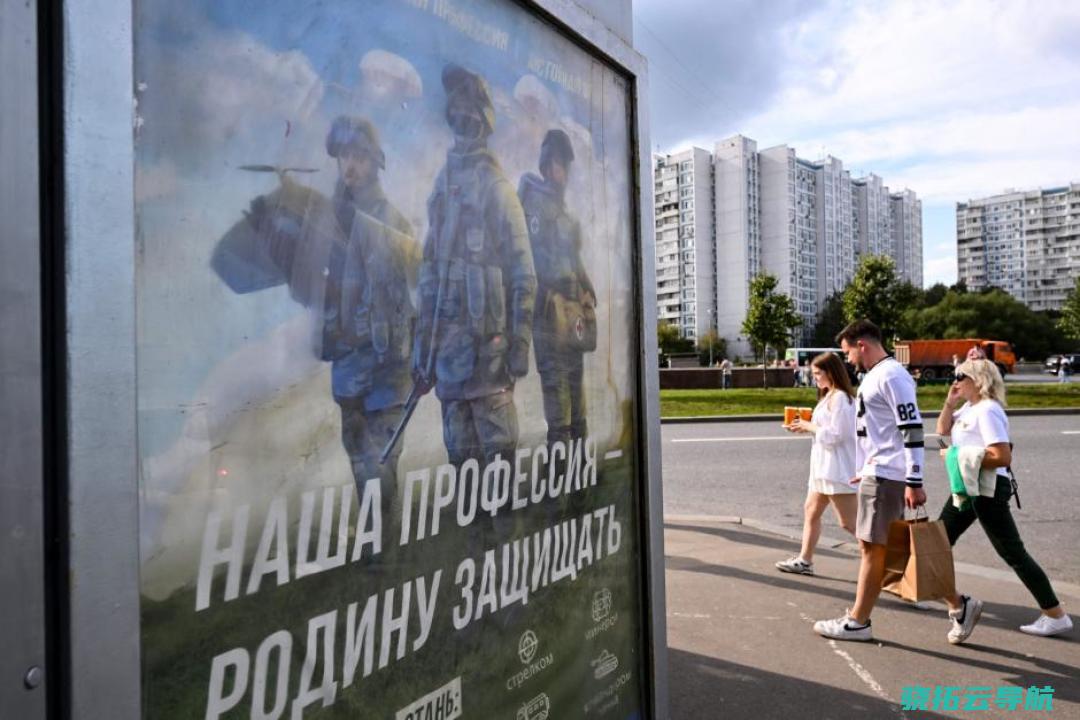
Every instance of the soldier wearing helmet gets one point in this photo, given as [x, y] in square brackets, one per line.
[368, 313]
[476, 286]
[564, 325]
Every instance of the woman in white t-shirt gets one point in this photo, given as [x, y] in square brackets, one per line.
[974, 416]
[832, 458]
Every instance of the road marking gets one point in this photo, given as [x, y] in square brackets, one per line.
[735, 439]
[757, 438]
[613, 454]
[1070, 432]
[861, 672]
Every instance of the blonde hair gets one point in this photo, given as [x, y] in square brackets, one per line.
[986, 377]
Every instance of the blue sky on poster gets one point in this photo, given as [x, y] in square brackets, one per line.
[953, 99]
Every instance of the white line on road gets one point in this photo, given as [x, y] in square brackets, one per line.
[736, 439]
[1070, 432]
[757, 438]
[862, 673]
[613, 454]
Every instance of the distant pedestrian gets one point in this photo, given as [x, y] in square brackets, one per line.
[889, 467]
[1064, 369]
[832, 459]
[980, 431]
[725, 373]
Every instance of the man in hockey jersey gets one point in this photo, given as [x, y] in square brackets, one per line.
[889, 466]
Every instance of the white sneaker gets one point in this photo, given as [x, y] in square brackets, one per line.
[797, 565]
[964, 620]
[844, 628]
[1047, 626]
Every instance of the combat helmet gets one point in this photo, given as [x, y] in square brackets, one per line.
[556, 146]
[357, 133]
[469, 87]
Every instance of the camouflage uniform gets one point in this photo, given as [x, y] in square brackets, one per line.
[555, 236]
[477, 249]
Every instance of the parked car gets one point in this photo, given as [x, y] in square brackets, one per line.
[1054, 361]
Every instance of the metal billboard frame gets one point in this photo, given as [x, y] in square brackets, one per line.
[102, 502]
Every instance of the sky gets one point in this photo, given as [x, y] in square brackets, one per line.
[954, 100]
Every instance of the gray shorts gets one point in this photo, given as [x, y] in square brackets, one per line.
[880, 503]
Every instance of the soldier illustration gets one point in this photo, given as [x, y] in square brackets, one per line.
[564, 326]
[353, 258]
[477, 285]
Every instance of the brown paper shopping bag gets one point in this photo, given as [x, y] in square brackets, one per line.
[918, 560]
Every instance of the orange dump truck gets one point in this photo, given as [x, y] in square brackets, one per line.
[934, 358]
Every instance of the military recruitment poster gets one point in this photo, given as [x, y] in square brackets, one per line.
[387, 330]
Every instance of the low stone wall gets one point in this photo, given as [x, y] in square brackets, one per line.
[706, 378]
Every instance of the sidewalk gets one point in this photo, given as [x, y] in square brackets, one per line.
[741, 644]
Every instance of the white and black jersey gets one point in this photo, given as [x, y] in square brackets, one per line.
[888, 425]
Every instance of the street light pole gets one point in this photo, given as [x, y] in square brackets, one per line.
[711, 339]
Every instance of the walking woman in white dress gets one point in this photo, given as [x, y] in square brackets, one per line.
[832, 458]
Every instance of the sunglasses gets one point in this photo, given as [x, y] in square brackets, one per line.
[959, 377]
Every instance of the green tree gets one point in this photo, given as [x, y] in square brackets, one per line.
[669, 341]
[1069, 322]
[993, 315]
[770, 318]
[830, 321]
[876, 293]
[711, 347]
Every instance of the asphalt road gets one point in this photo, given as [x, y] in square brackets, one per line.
[758, 470]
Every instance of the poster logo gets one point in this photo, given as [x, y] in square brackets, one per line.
[539, 708]
[601, 604]
[441, 704]
[604, 664]
[527, 647]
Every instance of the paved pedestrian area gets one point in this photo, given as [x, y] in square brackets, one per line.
[741, 644]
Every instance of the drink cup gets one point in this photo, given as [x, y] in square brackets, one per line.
[790, 413]
[806, 413]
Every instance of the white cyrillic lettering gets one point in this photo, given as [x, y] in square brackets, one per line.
[539, 487]
[496, 485]
[323, 558]
[216, 703]
[555, 482]
[488, 595]
[573, 466]
[565, 543]
[600, 514]
[327, 692]
[520, 478]
[274, 536]
[212, 556]
[614, 533]
[541, 559]
[584, 550]
[359, 638]
[463, 615]
[304, 564]
[411, 479]
[445, 485]
[589, 471]
[391, 624]
[515, 574]
[282, 642]
[425, 606]
[370, 510]
[468, 491]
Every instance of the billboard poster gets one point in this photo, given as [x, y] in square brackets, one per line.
[389, 446]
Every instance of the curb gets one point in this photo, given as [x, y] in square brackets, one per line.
[778, 417]
[849, 546]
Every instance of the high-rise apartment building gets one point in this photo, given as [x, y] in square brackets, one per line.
[1026, 242]
[807, 223]
[685, 270]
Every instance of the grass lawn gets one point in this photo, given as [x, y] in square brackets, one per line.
[752, 401]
